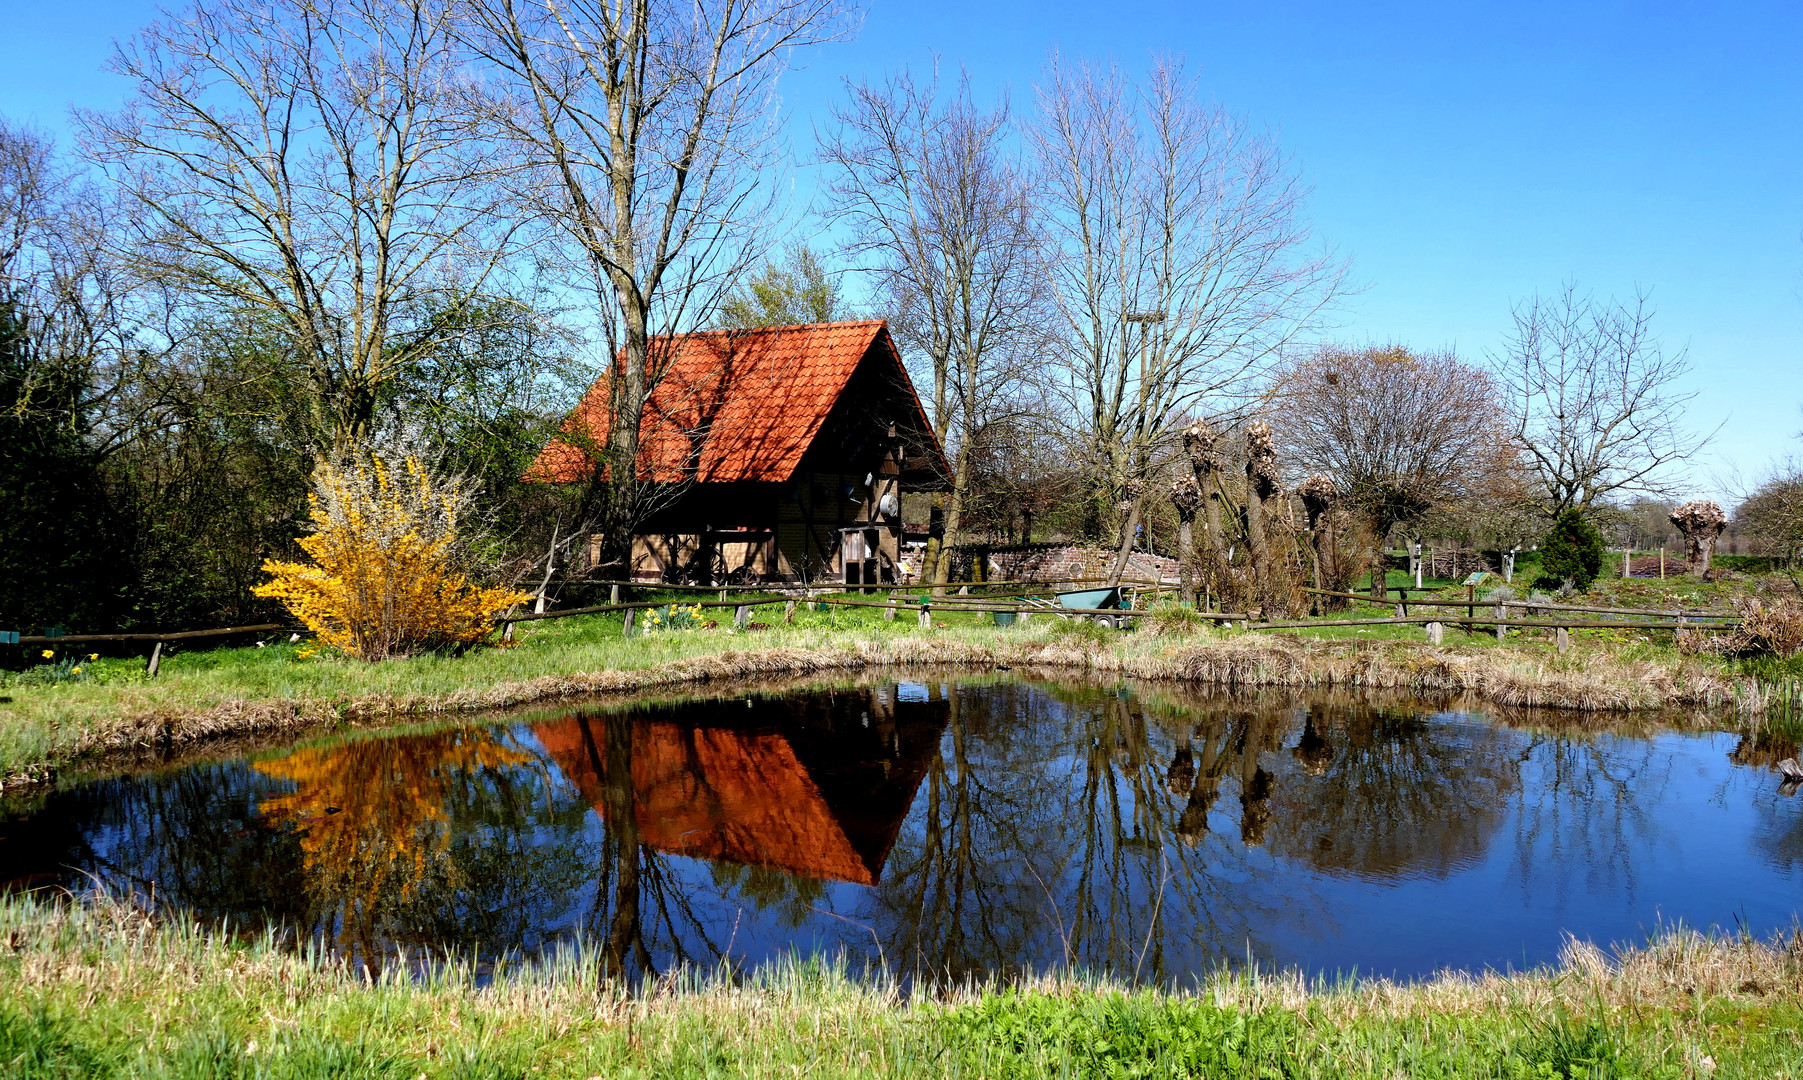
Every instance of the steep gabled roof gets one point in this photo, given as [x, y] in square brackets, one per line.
[733, 405]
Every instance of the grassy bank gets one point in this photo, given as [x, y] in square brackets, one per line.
[102, 991]
[282, 687]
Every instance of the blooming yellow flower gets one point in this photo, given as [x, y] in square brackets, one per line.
[48, 653]
[93, 656]
[75, 671]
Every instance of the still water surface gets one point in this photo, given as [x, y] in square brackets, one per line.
[959, 828]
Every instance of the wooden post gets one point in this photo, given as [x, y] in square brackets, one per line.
[723, 596]
[1564, 641]
[1502, 617]
[926, 621]
[1470, 606]
[1435, 633]
[626, 630]
[788, 613]
[1627, 557]
[156, 660]
[507, 631]
[1662, 562]
[889, 612]
[740, 616]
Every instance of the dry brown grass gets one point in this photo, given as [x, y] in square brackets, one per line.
[1509, 678]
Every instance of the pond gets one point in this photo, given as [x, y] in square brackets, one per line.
[958, 828]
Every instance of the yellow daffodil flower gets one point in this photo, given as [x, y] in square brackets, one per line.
[93, 656]
[48, 653]
[75, 671]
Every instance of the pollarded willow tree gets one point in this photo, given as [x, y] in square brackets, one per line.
[1159, 203]
[311, 162]
[644, 133]
[939, 209]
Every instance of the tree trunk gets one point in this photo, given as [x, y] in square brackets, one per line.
[1186, 563]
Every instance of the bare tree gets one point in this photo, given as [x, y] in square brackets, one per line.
[1593, 400]
[644, 129]
[310, 160]
[945, 219]
[1399, 433]
[1161, 203]
[1773, 514]
[96, 331]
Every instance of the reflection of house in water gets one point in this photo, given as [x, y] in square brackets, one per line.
[816, 785]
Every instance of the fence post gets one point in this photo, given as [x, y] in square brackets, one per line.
[740, 616]
[1564, 641]
[613, 594]
[1436, 633]
[626, 629]
[1502, 620]
[156, 660]
[788, 613]
[889, 612]
[926, 621]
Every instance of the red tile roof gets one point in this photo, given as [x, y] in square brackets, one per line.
[754, 400]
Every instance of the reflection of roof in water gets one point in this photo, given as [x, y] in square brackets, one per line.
[748, 797]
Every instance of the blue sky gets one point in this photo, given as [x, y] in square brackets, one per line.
[1462, 156]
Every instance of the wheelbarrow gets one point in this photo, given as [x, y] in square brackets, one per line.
[1097, 604]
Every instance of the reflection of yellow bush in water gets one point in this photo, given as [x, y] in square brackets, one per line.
[373, 813]
[383, 581]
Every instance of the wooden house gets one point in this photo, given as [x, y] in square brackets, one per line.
[780, 455]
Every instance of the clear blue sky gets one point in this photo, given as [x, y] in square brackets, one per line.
[1463, 156]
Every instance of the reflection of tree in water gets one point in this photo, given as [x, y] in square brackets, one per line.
[190, 837]
[1779, 835]
[1587, 802]
[445, 840]
[1385, 794]
[1046, 834]
[431, 839]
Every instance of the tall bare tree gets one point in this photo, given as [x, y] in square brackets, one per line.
[942, 213]
[1161, 203]
[645, 128]
[310, 160]
[1399, 433]
[1594, 400]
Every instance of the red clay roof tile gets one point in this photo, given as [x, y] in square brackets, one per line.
[751, 401]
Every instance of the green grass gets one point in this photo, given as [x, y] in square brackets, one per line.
[99, 991]
[208, 692]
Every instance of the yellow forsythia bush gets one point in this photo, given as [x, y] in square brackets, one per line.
[383, 581]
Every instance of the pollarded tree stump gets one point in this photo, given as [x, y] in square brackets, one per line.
[1701, 521]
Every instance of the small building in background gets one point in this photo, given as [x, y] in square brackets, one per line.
[779, 454]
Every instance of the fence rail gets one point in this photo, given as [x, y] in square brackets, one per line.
[1496, 617]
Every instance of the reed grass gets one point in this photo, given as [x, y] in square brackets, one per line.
[100, 989]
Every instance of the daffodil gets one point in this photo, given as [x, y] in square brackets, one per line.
[48, 653]
[93, 656]
[75, 671]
